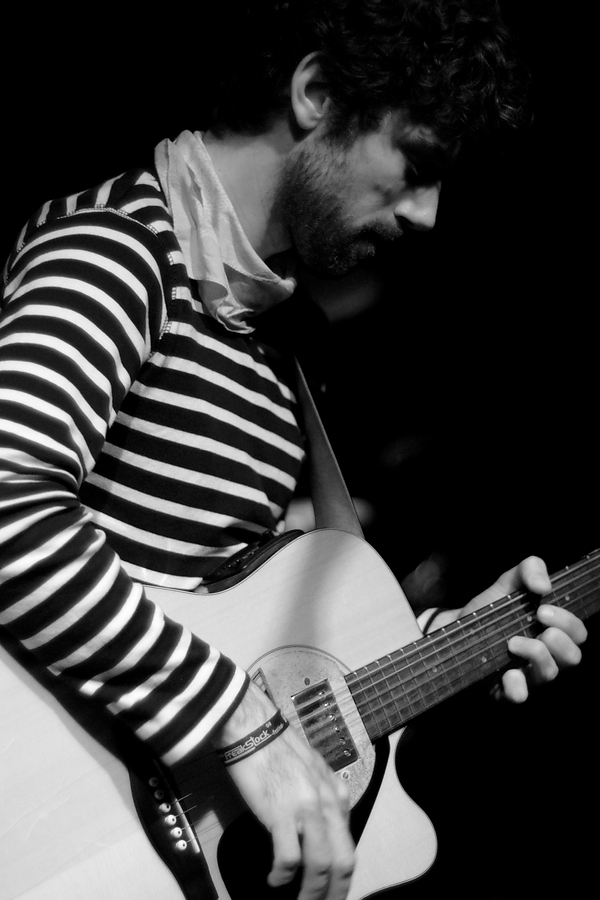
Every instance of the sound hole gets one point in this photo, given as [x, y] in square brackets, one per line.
[244, 856]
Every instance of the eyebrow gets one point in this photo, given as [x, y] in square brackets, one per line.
[429, 158]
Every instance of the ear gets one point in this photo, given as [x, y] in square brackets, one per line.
[309, 93]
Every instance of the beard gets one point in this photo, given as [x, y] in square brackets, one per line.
[310, 200]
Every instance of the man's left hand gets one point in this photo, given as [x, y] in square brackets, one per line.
[557, 647]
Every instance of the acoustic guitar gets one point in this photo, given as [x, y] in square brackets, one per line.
[325, 629]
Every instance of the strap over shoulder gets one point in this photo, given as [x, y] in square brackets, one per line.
[331, 499]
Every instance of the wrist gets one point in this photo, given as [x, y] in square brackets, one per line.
[254, 709]
[254, 740]
[438, 618]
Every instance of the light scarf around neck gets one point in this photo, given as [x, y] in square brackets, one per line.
[235, 283]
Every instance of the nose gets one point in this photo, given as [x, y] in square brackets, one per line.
[418, 206]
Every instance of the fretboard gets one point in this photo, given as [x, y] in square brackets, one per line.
[396, 688]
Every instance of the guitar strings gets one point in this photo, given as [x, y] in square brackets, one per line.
[406, 699]
[402, 701]
[441, 650]
[481, 621]
[410, 685]
[445, 640]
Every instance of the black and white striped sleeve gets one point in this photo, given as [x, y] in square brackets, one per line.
[83, 306]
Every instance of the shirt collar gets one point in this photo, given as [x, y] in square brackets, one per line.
[235, 283]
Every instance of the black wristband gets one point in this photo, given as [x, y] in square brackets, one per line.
[255, 740]
[428, 623]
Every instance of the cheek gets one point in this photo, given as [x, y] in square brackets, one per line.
[373, 199]
[378, 190]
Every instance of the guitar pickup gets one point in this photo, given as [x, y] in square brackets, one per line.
[324, 725]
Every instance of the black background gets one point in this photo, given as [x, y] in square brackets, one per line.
[462, 405]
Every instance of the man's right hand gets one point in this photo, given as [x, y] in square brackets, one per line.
[299, 799]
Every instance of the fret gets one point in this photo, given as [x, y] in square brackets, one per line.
[396, 688]
[436, 658]
[375, 716]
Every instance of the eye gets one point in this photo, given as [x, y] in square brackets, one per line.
[412, 175]
[422, 175]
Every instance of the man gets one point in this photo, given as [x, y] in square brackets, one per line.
[149, 431]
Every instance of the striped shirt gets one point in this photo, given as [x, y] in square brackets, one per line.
[141, 442]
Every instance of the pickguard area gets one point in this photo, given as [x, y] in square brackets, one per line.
[309, 686]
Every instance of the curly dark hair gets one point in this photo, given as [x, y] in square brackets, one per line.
[448, 63]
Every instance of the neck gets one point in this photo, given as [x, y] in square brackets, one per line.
[393, 690]
[249, 168]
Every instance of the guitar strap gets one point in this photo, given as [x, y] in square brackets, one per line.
[330, 496]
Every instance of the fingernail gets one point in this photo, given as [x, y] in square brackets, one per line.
[540, 582]
[546, 612]
[515, 643]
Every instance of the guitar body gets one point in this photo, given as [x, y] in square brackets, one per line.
[322, 606]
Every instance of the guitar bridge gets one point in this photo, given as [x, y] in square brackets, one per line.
[166, 822]
[324, 725]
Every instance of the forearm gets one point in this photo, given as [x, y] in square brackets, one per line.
[65, 595]
[255, 708]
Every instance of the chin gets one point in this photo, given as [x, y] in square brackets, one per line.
[325, 271]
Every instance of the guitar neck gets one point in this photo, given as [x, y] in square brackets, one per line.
[399, 687]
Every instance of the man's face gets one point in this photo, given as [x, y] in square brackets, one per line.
[340, 203]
